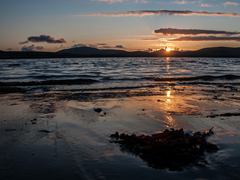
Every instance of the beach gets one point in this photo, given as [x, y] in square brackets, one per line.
[57, 115]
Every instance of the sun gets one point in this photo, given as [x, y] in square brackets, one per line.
[168, 49]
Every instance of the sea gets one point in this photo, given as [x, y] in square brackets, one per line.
[57, 116]
[87, 73]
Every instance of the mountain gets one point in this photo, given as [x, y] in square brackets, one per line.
[26, 55]
[84, 51]
[94, 52]
[206, 52]
[217, 52]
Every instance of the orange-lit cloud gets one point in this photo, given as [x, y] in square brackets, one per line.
[121, 1]
[231, 3]
[164, 12]
[206, 38]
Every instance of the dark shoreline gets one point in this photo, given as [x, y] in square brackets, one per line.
[87, 52]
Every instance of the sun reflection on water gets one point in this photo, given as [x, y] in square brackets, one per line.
[171, 122]
[169, 106]
[168, 96]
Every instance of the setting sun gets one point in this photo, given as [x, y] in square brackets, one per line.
[168, 49]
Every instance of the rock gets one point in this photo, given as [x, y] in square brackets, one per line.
[224, 115]
[10, 130]
[34, 121]
[44, 131]
[116, 135]
[98, 110]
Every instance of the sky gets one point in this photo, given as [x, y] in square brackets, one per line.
[51, 25]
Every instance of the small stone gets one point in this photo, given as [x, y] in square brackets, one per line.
[44, 131]
[98, 110]
[10, 130]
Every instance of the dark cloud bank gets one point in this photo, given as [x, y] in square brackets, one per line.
[44, 38]
[32, 48]
[206, 38]
[173, 31]
[165, 12]
[99, 45]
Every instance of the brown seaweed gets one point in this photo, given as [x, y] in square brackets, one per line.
[171, 149]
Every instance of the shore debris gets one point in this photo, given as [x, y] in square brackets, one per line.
[34, 121]
[98, 110]
[44, 131]
[224, 115]
[10, 130]
[171, 149]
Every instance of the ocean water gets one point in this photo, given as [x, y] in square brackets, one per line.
[49, 128]
[117, 72]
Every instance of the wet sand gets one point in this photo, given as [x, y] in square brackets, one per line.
[62, 134]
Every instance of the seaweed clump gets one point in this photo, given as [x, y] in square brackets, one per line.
[171, 149]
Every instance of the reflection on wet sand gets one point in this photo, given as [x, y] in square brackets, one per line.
[168, 96]
[73, 132]
[170, 121]
[169, 107]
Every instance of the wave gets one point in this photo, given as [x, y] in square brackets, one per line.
[82, 81]
[49, 77]
[50, 82]
[203, 78]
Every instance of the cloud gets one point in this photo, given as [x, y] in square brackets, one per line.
[24, 42]
[164, 12]
[187, 2]
[119, 46]
[102, 44]
[173, 31]
[111, 1]
[205, 5]
[150, 38]
[231, 3]
[84, 45]
[183, 2]
[44, 38]
[206, 38]
[121, 1]
[32, 48]
[99, 45]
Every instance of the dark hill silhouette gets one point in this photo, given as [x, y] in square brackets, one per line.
[218, 51]
[80, 51]
[22, 55]
[94, 52]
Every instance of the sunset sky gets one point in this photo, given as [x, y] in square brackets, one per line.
[50, 25]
